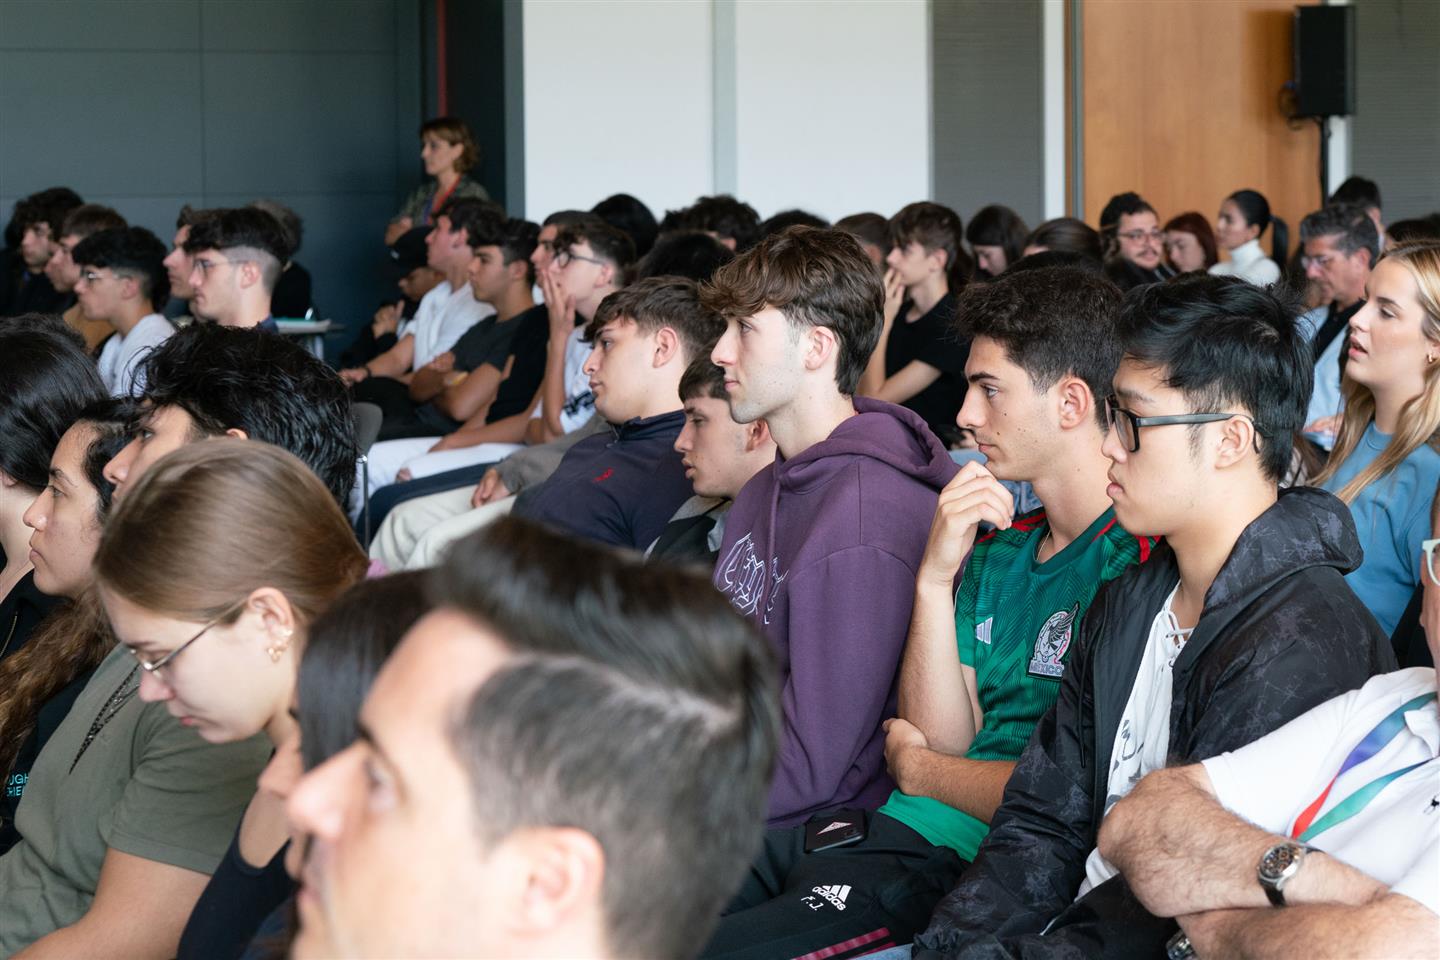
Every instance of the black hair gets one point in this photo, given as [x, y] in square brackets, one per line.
[344, 650]
[1057, 258]
[626, 213]
[472, 216]
[1256, 210]
[1349, 224]
[46, 380]
[606, 242]
[689, 253]
[564, 218]
[232, 228]
[1357, 190]
[89, 218]
[289, 221]
[1225, 342]
[721, 215]
[189, 216]
[111, 417]
[1069, 234]
[49, 207]
[132, 252]
[1122, 205]
[1414, 230]
[272, 389]
[791, 218]
[1051, 322]
[636, 704]
[516, 239]
[935, 227]
[868, 228]
[702, 379]
[998, 226]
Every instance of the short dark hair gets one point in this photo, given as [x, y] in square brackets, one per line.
[1222, 342]
[628, 214]
[189, 216]
[785, 219]
[131, 252]
[1348, 223]
[721, 215]
[472, 216]
[816, 278]
[689, 253]
[289, 221]
[658, 302]
[49, 207]
[998, 226]
[272, 389]
[89, 218]
[46, 379]
[453, 130]
[1069, 234]
[111, 417]
[868, 228]
[344, 650]
[1057, 258]
[637, 705]
[702, 379]
[1122, 205]
[516, 239]
[1050, 322]
[234, 228]
[606, 242]
[1357, 190]
[1414, 230]
[935, 227]
[563, 218]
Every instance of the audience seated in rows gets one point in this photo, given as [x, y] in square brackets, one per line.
[64, 272]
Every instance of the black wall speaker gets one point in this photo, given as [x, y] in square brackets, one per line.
[1324, 61]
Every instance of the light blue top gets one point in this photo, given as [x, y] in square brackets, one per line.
[1392, 517]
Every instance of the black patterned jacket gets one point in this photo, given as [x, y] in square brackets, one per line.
[1281, 631]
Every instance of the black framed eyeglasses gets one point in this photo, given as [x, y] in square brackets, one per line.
[1127, 425]
[563, 258]
[154, 667]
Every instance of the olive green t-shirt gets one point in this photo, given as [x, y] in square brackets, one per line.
[145, 786]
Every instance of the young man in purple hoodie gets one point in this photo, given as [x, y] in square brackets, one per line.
[821, 548]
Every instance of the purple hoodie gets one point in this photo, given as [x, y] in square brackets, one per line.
[821, 552]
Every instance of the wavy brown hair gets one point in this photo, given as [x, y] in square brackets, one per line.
[216, 520]
[73, 640]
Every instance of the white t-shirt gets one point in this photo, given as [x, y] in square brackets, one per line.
[1142, 741]
[1396, 837]
[579, 401]
[440, 319]
[120, 359]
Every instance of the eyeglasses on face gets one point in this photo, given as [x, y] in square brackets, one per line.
[205, 266]
[563, 258]
[1127, 425]
[90, 276]
[1321, 261]
[153, 667]
[1135, 236]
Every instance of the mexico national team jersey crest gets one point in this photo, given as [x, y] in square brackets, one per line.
[1048, 659]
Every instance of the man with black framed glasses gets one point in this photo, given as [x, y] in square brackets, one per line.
[1240, 621]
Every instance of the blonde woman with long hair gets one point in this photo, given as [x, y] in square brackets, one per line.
[1386, 461]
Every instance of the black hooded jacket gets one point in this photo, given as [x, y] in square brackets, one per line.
[1281, 632]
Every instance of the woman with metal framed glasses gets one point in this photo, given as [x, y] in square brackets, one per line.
[1386, 461]
[209, 571]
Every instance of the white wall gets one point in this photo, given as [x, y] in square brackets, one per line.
[832, 105]
[618, 99]
[824, 104]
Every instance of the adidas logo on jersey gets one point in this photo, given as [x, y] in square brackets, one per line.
[836, 895]
[983, 630]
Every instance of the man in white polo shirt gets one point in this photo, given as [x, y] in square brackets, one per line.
[1335, 816]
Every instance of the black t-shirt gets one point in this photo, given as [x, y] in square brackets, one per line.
[234, 903]
[486, 342]
[529, 346]
[932, 339]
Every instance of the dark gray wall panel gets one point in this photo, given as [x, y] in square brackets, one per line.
[309, 25]
[322, 124]
[1396, 129]
[117, 122]
[988, 148]
[99, 24]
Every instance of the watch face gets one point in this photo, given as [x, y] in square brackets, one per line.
[1277, 860]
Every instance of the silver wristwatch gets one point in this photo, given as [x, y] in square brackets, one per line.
[1179, 947]
[1279, 864]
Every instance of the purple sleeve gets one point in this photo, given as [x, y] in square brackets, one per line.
[848, 615]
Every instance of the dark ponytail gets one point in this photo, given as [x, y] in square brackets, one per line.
[1256, 210]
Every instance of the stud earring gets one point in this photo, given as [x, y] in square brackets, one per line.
[277, 650]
